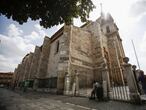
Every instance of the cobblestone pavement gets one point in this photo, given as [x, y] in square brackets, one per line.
[10, 100]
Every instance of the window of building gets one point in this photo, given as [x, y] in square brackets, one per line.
[107, 29]
[57, 46]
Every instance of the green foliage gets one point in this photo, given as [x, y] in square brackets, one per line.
[48, 12]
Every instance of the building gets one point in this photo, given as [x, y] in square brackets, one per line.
[74, 57]
[6, 78]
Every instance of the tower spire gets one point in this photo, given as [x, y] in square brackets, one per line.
[101, 9]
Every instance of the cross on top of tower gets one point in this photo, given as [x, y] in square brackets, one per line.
[101, 9]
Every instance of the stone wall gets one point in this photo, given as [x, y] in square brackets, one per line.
[28, 65]
[54, 57]
[21, 77]
[43, 60]
[99, 42]
[81, 57]
[18, 74]
[35, 63]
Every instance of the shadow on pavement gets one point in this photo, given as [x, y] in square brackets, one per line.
[2, 107]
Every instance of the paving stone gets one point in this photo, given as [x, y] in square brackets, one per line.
[10, 100]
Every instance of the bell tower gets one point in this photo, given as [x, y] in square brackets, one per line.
[114, 46]
[107, 24]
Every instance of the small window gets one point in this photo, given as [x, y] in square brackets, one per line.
[57, 46]
[107, 29]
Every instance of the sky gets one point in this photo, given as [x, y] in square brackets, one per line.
[129, 15]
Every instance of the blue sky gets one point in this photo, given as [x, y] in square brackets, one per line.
[130, 16]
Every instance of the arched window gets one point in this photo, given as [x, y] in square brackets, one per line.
[107, 29]
[57, 46]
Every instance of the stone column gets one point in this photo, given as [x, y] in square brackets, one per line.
[134, 94]
[67, 84]
[77, 83]
[106, 82]
[75, 86]
[105, 90]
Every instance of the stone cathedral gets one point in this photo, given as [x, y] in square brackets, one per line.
[74, 57]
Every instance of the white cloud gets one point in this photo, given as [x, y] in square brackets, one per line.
[16, 45]
[37, 26]
[142, 55]
[143, 44]
[40, 30]
[9, 46]
[12, 50]
[138, 7]
[7, 63]
[136, 19]
[14, 31]
[34, 35]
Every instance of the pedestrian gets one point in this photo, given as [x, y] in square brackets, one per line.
[97, 87]
[142, 80]
[93, 92]
[100, 92]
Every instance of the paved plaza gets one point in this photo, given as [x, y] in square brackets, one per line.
[17, 100]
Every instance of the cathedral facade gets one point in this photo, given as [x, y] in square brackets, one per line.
[74, 57]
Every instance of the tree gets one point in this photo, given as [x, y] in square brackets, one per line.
[48, 12]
